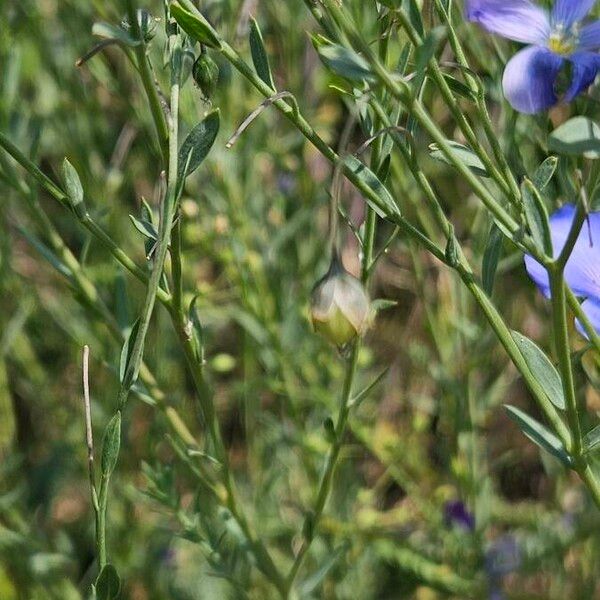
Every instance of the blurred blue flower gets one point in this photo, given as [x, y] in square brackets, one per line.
[456, 513]
[557, 40]
[502, 558]
[582, 272]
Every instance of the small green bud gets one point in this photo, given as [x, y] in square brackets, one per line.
[339, 305]
[206, 74]
[146, 22]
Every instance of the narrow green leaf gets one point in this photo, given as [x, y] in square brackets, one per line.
[73, 187]
[197, 144]
[126, 356]
[536, 216]
[387, 207]
[578, 136]
[491, 256]
[542, 368]
[424, 53]
[539, 434]
[462, 153]
[197, 331]
[111, 444]
[312, 582]
[112, 32]
[459, 88]
[259, 54]
[108, 584]
[146, 228]
[591, 440]
[452, 249]
[543, 174]
[414, 15]
[366, 391]
[341, 60]
[197, 28]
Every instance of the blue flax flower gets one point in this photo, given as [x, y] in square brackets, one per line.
[582, 272]
[560, 44]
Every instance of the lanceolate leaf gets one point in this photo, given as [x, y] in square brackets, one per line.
[463, 153]
[539, 434]
[126, 355]
[111, 444]
[537, 217]
[108, 584]
[198, 143]
[543, 370]
[195, 27]
[387, 207]
[491, 256]
[579, 136]
[341, 60]
[543, 174]
[259, 54]
[146, 228]
[591, 440]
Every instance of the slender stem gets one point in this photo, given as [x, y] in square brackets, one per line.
[101, 553]
[573, 235]
[176, 268]
[313, 518]
[148, 81]
[561, 341]
[164, 240]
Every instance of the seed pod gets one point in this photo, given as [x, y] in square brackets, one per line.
[339, 305]
[206, 74]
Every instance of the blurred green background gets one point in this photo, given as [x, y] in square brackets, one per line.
[431, 435]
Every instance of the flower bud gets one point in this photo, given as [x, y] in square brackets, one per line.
[339, 305]
[206, 74]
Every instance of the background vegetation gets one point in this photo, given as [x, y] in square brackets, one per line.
[437, 493]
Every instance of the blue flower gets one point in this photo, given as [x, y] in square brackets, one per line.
[582, 271]
[456, 513]
[557, 40]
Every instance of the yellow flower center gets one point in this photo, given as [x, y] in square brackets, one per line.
[562, 44]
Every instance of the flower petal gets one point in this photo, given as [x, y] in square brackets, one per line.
[585, 69]
[518, 20]
[589, 37]
[528, 80]
[567, 12]
[582, 272]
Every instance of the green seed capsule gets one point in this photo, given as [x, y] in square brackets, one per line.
[206, 74]
[339, 305]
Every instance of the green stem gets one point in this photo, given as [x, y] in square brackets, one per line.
[164, 239]
[101, 554]
[312, 520]
[176, 266]
[561, 342]
[147, 78]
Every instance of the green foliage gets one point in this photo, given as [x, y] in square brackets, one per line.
[236, 454]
